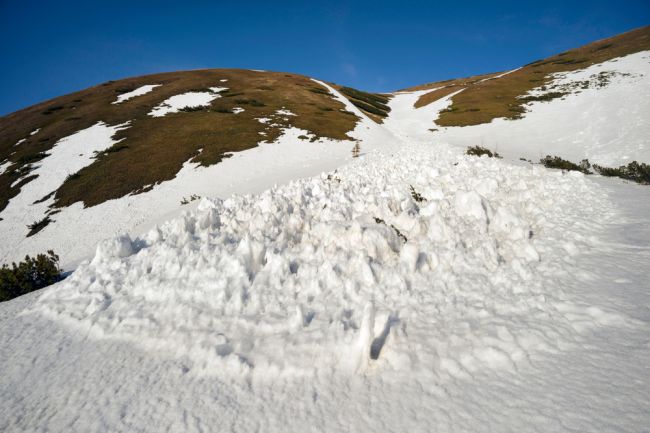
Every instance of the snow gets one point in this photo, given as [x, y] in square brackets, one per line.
[68, 156]
[34, 132]
[189, 99]
[284, 112]
[578, 126]
[499, 75]
[295, 307]
[4, 166]
[238, 110]
[313, 249]
[142, 90]
[317, 292]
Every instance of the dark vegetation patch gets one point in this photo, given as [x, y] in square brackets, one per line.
[29, 275]
[153, 150]
[397, 232]
[193, 109]
[416, 195]
[372, 103]
[543, 97]
[502, 97]
[634, 171]
[480, 151]
[562, 164]
[190, 199]
[37, 226]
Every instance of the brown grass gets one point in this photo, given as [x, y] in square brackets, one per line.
[481, 102]
[154, 149]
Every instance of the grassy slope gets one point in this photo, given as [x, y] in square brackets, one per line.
[480, 102]
[156, 148]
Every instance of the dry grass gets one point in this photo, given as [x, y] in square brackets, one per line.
[480, 102]
[154, 149]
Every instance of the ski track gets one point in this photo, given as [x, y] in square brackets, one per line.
[514, 298]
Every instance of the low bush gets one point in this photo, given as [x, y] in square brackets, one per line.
[37, 226]
[480, 151]
[29, 275]
[634, 171]
[191, 109]
[557, 162]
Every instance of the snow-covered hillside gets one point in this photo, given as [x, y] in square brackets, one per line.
[604, 118]
[413, 288]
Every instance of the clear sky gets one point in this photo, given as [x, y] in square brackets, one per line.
[50, 48]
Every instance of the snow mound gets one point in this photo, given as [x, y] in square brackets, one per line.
[425, 261]
[143, 90]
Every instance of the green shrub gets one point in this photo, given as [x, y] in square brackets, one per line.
[37, 226]
[191, 109]
[480, 151]
[634, 171]
[29, 275]
[557, 162]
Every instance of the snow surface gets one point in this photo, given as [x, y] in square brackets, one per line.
[513, 298]
[517, 303]
[238, 110]
[5, 165]
[189, 99]
[609, 126]
[75, 230]
[67, 156]
[143, 90]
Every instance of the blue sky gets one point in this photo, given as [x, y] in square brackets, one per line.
[55, 47]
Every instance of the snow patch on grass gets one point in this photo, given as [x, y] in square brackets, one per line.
[184, 100]
[67, 156]
[143, 90]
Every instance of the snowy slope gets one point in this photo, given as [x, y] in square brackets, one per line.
[74, 239]
[411, 289]
[609, 125]
[298, 308]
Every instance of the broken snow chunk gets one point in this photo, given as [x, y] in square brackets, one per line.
[218, 89]
[115, 248]
[470, 204]
[238, 110]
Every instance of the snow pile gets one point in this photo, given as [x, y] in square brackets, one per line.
[424, 262]
[603, 117]
[186, 100]
[143, 90]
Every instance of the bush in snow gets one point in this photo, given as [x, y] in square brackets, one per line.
[37, 226]
[557, 162]
[29, 275]
[480, 151]
[634, 171]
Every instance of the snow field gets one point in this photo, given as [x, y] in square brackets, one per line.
[348, 273]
